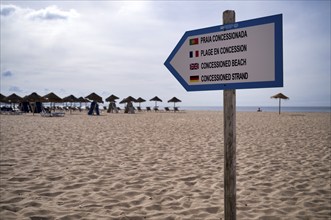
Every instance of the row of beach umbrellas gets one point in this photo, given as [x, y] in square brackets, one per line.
[53, 98]
[139, 100]
[34, 97]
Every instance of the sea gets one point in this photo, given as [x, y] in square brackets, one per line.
[238, 108]
[263, 108]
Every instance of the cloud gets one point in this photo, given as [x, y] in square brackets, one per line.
[7, 73]
[52, 13]
[49, 13]
[7, 10]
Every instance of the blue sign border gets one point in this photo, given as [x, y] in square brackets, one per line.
[278, 82]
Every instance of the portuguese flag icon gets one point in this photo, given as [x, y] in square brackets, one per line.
[194, 41]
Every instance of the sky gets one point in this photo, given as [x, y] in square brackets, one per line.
[119, 47]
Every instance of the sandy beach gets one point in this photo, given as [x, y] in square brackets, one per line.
[163, 166]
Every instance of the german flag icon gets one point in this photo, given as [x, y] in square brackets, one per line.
[195, 78]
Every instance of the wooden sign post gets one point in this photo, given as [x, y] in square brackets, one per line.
[229, 107]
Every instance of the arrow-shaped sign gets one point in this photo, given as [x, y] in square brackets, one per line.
[247, 54]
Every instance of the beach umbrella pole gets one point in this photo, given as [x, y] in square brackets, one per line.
[279, 106]
[34, 108]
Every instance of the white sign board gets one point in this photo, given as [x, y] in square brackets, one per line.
[236, 56]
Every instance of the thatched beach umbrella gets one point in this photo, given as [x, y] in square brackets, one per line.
[52, 98]
[94, 97]
[34, 97]
[280, 96]
[156, 99]
[128, 99]
[140, 100]
[81, 99]
[70, 98]
[13, 98]
[111, 98]
[174, 100]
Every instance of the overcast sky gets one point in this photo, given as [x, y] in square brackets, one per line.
[119, 47]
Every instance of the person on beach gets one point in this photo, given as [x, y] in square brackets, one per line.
[129, 108]
[94, 108]
[112, 107]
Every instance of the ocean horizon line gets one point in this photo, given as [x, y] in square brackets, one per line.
[263, 108]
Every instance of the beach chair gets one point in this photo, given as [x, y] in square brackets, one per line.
[167, 109]
[148, 109]
[139, 109]
[73, 108]
[10, 111]
[45, 113]
[156, 108]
